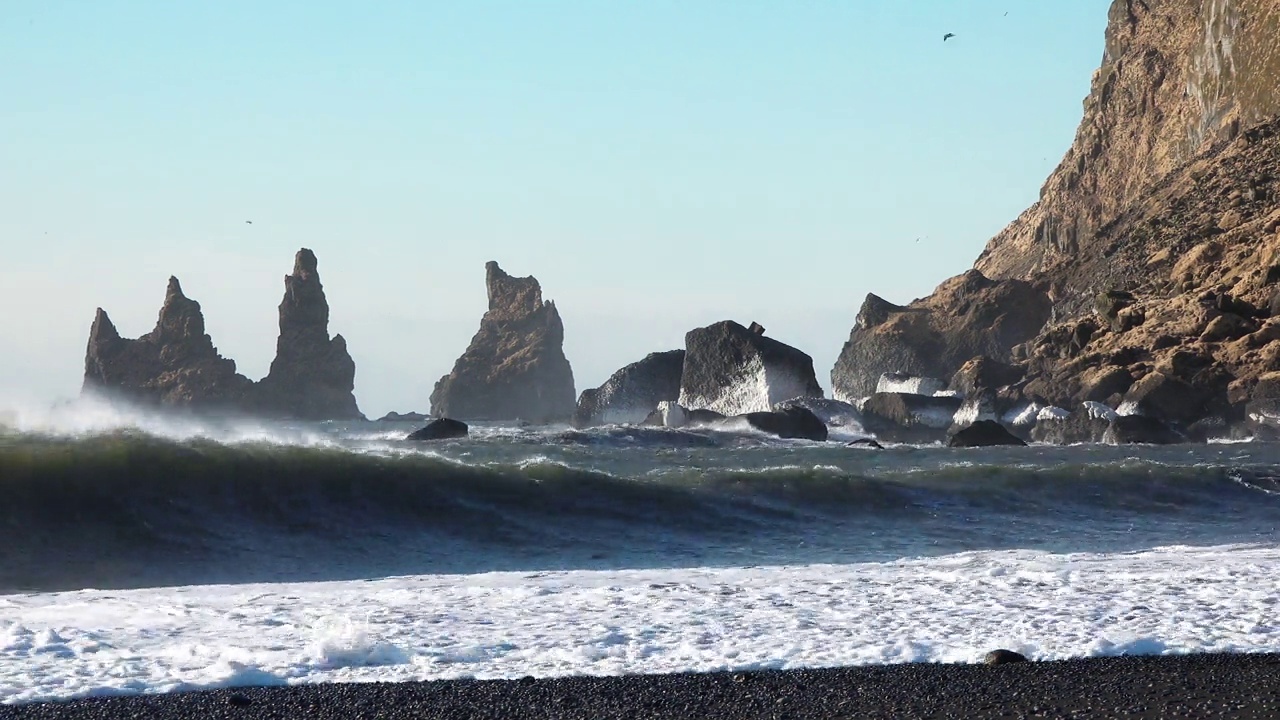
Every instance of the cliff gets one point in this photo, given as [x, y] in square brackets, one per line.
[514, 367]
[1160, 210]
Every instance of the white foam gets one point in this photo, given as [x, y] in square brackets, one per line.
[506, 625]
[909, 384]
[1053, 412]
[1099, 411]
[1023, 415]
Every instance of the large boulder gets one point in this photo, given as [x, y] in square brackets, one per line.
[732, 370]
[440, 429]
[789, 423]
[966, 316]
[312, 376]
[908, 418]
[630, 394]
[514, 368]
[830, 412]
[983, 433]
[1136, 429]
[982, 374]
[174, 365]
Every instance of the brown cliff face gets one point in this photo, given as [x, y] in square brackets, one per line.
[1177, 76]
[312, 376]
[175, 364]
[1154, 239]
[514, 368]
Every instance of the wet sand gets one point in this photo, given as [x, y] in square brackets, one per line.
[1228, 686]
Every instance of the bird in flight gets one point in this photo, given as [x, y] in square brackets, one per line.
[948, 35]
[248, 222]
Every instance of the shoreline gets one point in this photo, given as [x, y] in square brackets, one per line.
[1199, 685]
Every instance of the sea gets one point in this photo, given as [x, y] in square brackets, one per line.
[145, 553]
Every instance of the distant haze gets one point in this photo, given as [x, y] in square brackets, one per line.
[658, 166]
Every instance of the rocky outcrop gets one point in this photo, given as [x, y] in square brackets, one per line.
[1157, 240]
[514, 368]
[440, 429]
[790, 422]
[907, 418]
[312, 376]
[174, 365]
[632, 393]
[732, 370]
[394, 416]
[983, 433]
[966, 316]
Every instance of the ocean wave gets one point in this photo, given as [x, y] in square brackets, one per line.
[131, 508]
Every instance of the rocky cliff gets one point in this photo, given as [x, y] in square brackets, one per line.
[633, 392]
[312, 376]
[1152, 242]
[175, 364]
[514, 368]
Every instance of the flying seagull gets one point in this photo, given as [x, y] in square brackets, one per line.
[948, 35]
[248, 222]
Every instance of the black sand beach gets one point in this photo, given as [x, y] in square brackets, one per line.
[1229, 686]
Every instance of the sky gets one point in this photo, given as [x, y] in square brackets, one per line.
[657, 165]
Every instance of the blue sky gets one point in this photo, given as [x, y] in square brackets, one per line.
[657, 165]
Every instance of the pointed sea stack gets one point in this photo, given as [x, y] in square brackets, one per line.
[514, 368]
[174, 365]
[312, 376]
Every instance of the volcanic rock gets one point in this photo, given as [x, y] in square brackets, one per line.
[440, 429]
[966, 316]
[1155, 235]
[174, 365]
[733, 371]
[312, 376]
[630, 394]
[907, 418]
[514, 368]
[788, 423]
[1137, 429]
[983, 433]
[1086, 424]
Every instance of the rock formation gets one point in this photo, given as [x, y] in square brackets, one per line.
[312, 376]
[966, 316]
[733, 370]
[440, 429]
[983, 433]
[632, 393]
[1151, 260]
[514, 368]
[174, 365]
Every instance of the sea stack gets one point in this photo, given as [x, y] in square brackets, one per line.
[312, 376]
[514, 368]
[174, 365]
[734, 370]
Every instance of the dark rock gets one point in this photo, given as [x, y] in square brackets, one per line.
[756, 328]
[789, 423]
[630, 394]
[440, 429]
[1108, 306]
[1175, 400]
[830, 412]
[968, 315]
[404, 417]
[1003, 657]
[514, 368]
[983, 433]
[984, 373]
[1210, 428]
[1137, 429]
[174, 365]
[901, 417]
[868, 442]
[733, 371]
[239, 700]
[312, 376]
